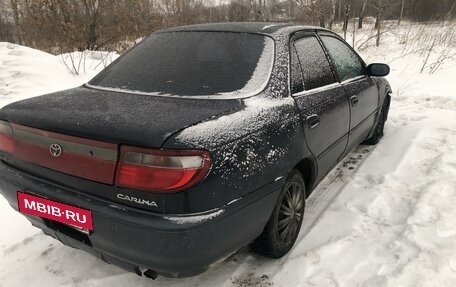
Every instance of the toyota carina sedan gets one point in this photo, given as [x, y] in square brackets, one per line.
[198, 141]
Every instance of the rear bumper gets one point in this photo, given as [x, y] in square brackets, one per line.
[173, 246]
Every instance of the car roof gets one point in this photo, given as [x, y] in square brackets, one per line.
[268, 28]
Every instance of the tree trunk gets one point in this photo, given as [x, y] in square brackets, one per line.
[91, 14]
[322, 21]
[378, 25]
[321, 14]
[347, 9]
[253, 10]
[333, 14]
[361, 14]
[402, 12]
[354, 30]
[339, 12]
[264, 14]
[14, 7]
[448, 14]
[291, 13]
[178, 6]
[377, 18]
[312, 10]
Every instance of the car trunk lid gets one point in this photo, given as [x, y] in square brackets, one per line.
[78, 131]
[112, 116]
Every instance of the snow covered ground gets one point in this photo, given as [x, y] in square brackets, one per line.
[384, 217]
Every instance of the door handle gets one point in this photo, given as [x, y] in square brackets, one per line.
[313, 121]
[354, 100]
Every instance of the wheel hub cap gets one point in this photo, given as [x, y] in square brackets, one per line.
[290, 213]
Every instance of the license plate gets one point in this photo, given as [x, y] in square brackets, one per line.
[70, 215]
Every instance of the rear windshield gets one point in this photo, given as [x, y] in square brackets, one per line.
[193, 64]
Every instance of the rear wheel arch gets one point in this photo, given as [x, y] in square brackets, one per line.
[308, 169]
[282, 229]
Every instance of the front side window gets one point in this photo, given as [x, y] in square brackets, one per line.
[315, 66]
[193, 64]
[347, 64]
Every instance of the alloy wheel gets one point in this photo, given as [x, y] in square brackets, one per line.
[290, 213]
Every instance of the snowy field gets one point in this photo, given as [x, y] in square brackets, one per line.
[385, 216]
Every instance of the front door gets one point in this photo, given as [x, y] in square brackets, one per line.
[361, 90]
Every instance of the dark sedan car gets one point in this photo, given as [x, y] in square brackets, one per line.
[198, 141]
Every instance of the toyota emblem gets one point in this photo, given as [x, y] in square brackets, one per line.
[55, 150]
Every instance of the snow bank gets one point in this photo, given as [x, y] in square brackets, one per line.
[25, 72]
[384, 217]
[86, 62]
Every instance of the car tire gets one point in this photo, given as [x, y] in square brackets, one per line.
[378, 133]
[282, 229]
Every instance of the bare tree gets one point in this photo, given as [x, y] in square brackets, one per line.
[238, 12]
[339, 10]
[401, 13]
[315, 11]
[333, 14]
[381, 4]
[91, 11]
[347, 9]
[69, 25]
[354, 30]
[6, 26]
[14, 6]
[321, 13]
[450, 11]
[291, 9]
[361, 13]
[258, 9]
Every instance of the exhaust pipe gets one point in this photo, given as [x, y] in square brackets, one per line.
[150, 274]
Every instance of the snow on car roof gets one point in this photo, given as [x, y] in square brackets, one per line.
[243, 27]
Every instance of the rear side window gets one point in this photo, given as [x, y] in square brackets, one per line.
[315, 66]
[347, 63]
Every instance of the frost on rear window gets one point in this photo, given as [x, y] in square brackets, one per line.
[193, 64]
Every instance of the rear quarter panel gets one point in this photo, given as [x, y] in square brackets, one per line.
[253, 147]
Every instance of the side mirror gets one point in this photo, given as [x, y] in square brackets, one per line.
[378, 70]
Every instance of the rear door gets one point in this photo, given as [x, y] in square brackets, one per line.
[321, 101]
[361, 90]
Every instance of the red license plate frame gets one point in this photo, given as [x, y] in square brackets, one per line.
[70, 215]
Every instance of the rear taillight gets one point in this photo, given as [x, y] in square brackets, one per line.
[6, 137]
[161, 171]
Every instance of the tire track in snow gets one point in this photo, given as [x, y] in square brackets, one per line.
[26, 241]
[330, 187]
[410, 212]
